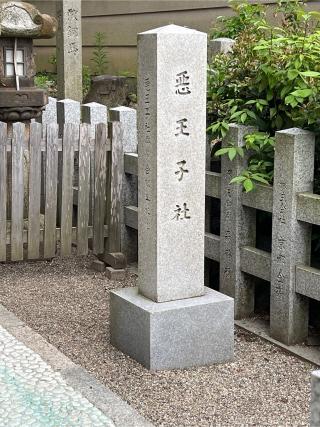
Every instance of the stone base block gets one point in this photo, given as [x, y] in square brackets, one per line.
[98, 265]
[175, 334]
[114, 274]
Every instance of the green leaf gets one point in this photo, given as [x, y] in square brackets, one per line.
[221, 152]
[310, 74]
[237, 179]
[248, 185]
[258, 177]
[302, 93]
[243, 117]
[240, 151]
[292, 74]
[232, 153]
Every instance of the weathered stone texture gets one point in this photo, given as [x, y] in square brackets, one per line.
[315, 399]
[69, 49]
[174, 334]
[291, 239]
[94, 113]
[172, 145]
[236, 229]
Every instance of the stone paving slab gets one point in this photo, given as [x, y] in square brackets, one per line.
[41, 387]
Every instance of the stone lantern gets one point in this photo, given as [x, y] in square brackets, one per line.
[20, 23]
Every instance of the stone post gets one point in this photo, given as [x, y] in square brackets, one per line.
[68, 111]
[171, 320]
[94, 113]
[129, 197]
[238, 228]
[315, 399]
[69, 49]
[220, 45]
[291, 239]
[49, 114]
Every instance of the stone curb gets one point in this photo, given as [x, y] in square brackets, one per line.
[260, 329]
[109, 403]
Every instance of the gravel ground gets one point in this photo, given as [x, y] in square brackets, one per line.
[67, 303]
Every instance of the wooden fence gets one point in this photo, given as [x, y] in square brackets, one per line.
[56, 188]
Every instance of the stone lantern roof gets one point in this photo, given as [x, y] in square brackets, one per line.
[19, 19]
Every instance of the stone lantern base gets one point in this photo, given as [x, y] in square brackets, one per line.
[21, 105]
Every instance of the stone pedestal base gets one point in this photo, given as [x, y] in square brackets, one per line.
[172, 335]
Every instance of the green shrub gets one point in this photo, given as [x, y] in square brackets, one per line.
[86, 80]
[99, 55]
[270, 80]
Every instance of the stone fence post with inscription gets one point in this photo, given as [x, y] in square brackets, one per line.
[291, 239]
[171, 320]
[238, 228]
[69, 49]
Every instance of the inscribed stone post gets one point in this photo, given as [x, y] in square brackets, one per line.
[291, 239]
[236, 230]
[172, 320]
[172, 144]
[69, 49]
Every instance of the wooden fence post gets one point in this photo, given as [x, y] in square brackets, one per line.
[68, 111]
[291, 239]
[3, 191]
[238, 228]
[93, 113]
[49, 115]
[129, 187]
[100, 156]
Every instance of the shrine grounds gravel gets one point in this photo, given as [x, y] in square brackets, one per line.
[67, 303]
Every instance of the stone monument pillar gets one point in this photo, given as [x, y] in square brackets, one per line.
[69, 50]
[171, 320]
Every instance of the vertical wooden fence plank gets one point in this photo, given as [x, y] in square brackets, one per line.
[34, 191]
[93, 113]
[114, 195]
[100, 178]
[84, 190]
[51, 191]
[17, 192]
[3, 190]
[70, 138]
[128, 119]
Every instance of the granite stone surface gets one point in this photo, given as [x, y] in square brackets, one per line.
[69, 49]
[219, 45]
[68, 111]
[49, 114]
[291, 239]
[236, 230]
[94, 113]
[172, 149]
[172, 335]
[315, 399]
